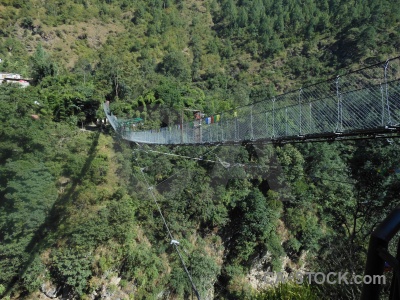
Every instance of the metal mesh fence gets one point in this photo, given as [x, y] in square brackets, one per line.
[365, 99]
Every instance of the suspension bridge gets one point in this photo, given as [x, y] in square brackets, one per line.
[361, 102]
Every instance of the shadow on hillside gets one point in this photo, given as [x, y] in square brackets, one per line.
[54, 218]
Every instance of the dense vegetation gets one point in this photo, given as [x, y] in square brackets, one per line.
[75, 212]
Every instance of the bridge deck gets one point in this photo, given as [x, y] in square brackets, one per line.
[363, 102]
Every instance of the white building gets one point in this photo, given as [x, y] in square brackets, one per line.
[13, 78]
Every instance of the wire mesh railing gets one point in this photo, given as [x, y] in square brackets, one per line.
[365, 99]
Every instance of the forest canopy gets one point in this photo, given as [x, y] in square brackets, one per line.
[76, 217]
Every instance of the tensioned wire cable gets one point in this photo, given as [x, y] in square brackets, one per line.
[200, 158]
[222, 162]
[150, 189]
[227, 165]
[170, 235]
[173, 241]
[183, 156]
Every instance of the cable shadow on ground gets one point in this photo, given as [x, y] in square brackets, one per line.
[54, 218]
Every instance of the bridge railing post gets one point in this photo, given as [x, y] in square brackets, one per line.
[273, 116]
[389, 119]
[383, 105]
[200, 130]
[300, 112]
[236, 125]
[311, 120]
[251, 123]
[286, 121]
[222, 127]
[339, 125]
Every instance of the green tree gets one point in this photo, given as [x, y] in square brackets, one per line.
[255, 222]
[72, 267]
[229, 13]
[28, 198]
[175, 64]
[42, 65]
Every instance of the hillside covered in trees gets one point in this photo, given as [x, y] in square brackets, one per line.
[76, 217]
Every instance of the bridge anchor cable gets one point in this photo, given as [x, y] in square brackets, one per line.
[173, 241]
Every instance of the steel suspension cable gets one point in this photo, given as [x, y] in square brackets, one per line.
[178, 155]
[173, 241]
[200, 158]
[177, 172]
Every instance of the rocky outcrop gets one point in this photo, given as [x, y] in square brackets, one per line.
[261, 275]
[50, 290]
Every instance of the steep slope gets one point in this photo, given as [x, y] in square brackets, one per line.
[75, 213]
